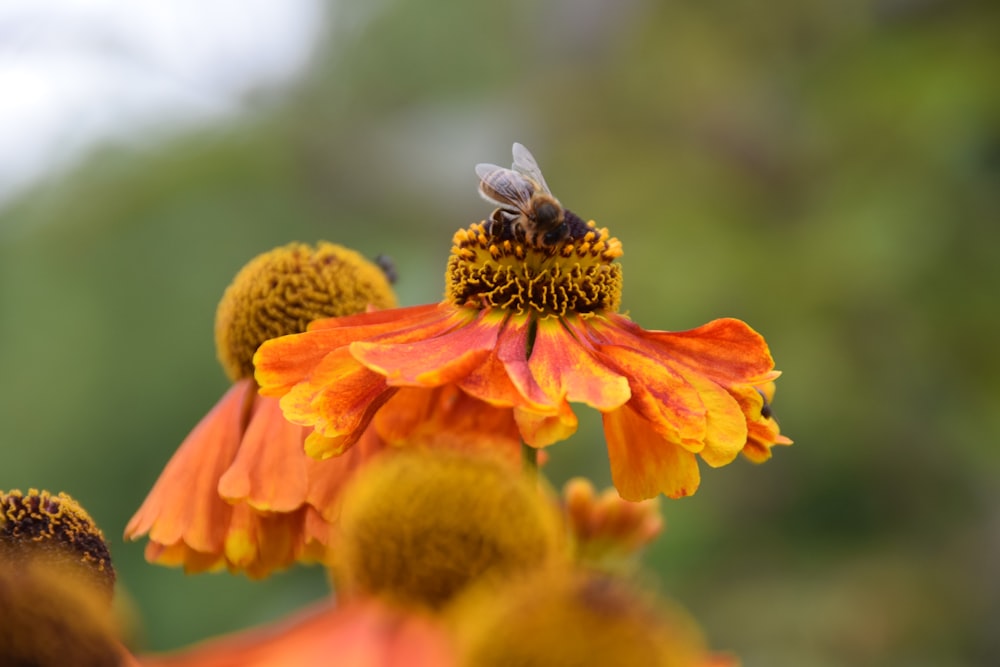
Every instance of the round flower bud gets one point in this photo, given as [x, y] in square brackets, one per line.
[419, 526]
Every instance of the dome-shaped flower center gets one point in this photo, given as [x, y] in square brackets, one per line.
[502, 270]
[41, 526]
[280, 292]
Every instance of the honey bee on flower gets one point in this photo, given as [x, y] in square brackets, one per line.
[526, 205]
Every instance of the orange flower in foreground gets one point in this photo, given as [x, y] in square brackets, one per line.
[364, 633]
[528, 325]
[239, 492]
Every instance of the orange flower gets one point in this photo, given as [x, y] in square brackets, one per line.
[239, 492]
[362, 633]
[528, 325]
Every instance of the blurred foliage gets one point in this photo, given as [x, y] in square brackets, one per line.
[829, 172]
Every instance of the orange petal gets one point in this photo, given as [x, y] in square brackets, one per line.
[726, 349]
[447, 417]
[725, 423]
[270, 471]
[438, 356]
[512, 352]
[564, 369]
[762, 432]
[540, 430]
[338, 400]
[282, 362]
[381, 321]
[662, 395]
[644, 464]
[184, 504]
[362, 633]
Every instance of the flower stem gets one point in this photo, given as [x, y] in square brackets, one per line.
[529, 459]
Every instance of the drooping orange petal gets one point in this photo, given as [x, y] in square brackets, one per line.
[184, 504]
[440, 356]
[643, 463]
[362, 633]
[564, 369]
[542, 430]
[270, 470]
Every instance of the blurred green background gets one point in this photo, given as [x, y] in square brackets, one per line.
[827, 171]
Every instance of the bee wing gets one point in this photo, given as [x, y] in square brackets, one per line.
[504, 187]
[484, 169]
[524, 163]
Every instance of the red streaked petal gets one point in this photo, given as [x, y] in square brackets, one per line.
[375, 318]
[563, 368]
[725, 348]
[512, 351]
[662, 395]
[282, 362]
[445, 354]
[643, 463]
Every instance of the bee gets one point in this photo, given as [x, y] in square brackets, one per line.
[526, 206]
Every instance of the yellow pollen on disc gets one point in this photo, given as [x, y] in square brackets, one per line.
[53, 529]
[574, 275]
[281, 291]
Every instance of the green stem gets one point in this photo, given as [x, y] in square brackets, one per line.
[529, 459]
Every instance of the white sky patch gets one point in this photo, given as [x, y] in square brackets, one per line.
[75, 73]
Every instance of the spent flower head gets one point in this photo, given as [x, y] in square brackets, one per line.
[239, 492]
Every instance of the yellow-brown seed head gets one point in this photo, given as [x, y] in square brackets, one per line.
[281, 291]
[577, 274]
[419, 527]
[53, 531]
[564, 617]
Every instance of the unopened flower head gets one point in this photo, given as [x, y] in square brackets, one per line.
[240, 492]
[421, 526]
[529, 325]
